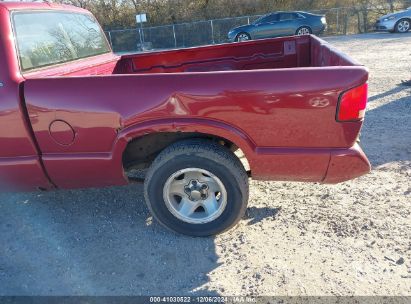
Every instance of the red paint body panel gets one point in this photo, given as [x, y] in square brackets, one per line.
[85, 170]
[22, 174]
[346, 164]
[276, 99]
[20, 165]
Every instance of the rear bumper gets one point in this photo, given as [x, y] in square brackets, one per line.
[328, 166]
[346, 164]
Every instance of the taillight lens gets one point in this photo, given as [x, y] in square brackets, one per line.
[352, 104]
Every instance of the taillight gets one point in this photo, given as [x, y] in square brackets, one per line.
[351, 106]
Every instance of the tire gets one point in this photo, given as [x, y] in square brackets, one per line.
[243, 36]
[403, 26]
[304, 30]
[200, 162]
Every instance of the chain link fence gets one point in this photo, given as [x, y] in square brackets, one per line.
[340, 21]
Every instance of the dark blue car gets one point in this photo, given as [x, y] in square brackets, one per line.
[280, 24]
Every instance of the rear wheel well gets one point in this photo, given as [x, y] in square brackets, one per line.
[141, 152]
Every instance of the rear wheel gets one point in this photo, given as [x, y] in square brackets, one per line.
[403, 26]
[242, 37]
[197, 187]
[304, 30]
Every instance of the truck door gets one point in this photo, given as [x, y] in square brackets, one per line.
[20, 166]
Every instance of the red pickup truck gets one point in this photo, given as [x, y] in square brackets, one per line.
[75, 115]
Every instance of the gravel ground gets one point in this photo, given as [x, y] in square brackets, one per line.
[296, 239]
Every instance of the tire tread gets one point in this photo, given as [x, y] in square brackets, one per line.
[207, 149]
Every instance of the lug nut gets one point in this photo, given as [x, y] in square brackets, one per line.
[204, 186]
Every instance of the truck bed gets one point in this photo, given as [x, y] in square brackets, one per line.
[279, 53]
[276, 99]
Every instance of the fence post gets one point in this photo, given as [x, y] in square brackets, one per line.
[109, 39]
[248, 20]
[141, 40]
[346, 19]
[338, 19]
[174, 34]
[212, 31]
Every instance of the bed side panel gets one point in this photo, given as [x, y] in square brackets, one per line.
[276, 110]
[323, 54]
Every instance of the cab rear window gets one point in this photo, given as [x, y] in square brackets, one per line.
[46, 38]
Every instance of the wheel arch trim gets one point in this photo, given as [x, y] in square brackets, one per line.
[186, 125]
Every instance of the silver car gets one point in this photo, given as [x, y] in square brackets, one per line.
[398, 22]
[280, 24]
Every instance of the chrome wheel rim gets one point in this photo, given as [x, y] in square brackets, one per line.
[243, 37]
[303, 31]
[195, 196]
[403, 26]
